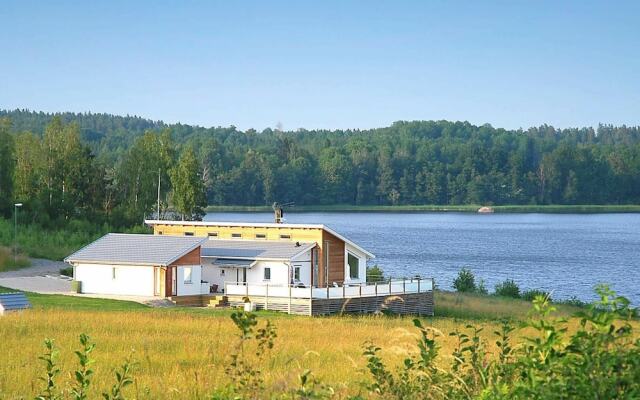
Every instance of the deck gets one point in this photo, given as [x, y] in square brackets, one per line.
[401, 296]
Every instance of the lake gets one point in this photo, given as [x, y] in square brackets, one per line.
[566, 254]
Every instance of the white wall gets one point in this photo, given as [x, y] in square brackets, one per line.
[304, 262]
[279, 273]
[362, 270]
[129, 280]
[186, 289]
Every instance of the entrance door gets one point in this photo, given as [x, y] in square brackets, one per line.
[158, 281]
[174, 281]
[241, 275]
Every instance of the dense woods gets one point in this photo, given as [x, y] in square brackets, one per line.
[108, 167]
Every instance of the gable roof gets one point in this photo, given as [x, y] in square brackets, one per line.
[253, 250]
[263, 225]
[135, 249]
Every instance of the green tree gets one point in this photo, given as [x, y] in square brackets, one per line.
[188, 189]
[7, 165]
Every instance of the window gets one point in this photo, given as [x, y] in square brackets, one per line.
[354, 266]
[296, 273]
[267, 274]
[221, 272]
[113, 273]
[212, 235]
[285, 236]
[188, 233]
[261, 236]
[159, 232]
[236, 235]
[187, 275]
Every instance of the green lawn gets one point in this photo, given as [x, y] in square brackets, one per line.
[447, 305]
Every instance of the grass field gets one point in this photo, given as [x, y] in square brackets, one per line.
[179, 349]
[472, 208]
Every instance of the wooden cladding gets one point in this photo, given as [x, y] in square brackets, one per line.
[191, 258]
[332, 252]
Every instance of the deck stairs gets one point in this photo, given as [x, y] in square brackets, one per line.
[218, 301]
[204, 300]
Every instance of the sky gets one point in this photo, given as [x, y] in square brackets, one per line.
[326, 64]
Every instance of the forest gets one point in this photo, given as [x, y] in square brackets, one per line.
[103, 167]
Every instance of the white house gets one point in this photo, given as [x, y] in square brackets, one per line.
[141, 265]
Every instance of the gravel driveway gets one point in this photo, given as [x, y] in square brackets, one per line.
[43, 276]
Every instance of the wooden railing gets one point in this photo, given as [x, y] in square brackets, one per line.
[390, 287]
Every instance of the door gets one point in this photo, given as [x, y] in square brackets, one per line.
[158, 279]
[174, 281]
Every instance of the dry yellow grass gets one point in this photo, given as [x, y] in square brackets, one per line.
[183, 355]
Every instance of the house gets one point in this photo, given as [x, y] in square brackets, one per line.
[306, 254]
[296, 268]
[139, 265]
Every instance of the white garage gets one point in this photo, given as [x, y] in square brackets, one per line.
[139, 265]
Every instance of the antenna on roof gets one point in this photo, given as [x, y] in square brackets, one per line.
[278, 210]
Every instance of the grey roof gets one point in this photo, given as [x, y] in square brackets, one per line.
[130, 249]
[253, 249]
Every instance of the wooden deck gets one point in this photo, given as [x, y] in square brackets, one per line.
[402, 304]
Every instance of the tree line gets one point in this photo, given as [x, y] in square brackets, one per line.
[99, 165]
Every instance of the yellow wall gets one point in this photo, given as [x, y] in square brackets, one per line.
[303, 235]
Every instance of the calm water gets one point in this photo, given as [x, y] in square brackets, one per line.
[566, 254]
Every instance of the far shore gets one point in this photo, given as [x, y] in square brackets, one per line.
[556, 209]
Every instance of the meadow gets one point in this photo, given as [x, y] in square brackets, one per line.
[183, 353]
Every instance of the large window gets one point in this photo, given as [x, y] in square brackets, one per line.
[267, 274]
[296, 273]
[187, 275]
[354, 266]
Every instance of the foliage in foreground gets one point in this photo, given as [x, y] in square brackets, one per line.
[601, 359]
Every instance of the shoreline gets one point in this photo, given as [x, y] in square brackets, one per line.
[506, 209]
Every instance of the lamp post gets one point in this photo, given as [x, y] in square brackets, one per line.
[15, 233]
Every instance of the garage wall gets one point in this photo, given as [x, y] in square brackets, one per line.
[129, 280]
[186, 289]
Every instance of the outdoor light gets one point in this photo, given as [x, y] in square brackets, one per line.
[15, 233]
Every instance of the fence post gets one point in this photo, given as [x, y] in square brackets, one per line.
[327, 291]
[246, 289]
[289, 309]
[418, 284]
[360, 291]
[389, 285]
[266, 299]
[404, 286]
[343, 290]
[376, 286]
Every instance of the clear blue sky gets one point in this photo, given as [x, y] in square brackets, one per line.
[326, 64]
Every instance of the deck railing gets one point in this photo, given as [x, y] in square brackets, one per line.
[389, 287]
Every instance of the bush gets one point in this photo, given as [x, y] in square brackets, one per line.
[8, 262]
[68, 271]
[530, 295]
[465, 282]
[375, 274]
[508, 288]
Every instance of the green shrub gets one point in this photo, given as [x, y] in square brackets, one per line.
[67, 271]
[531, 294]
[465, 282]
[375, 274]
[8, 262]
[508, 288]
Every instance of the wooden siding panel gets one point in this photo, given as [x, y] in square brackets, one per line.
[336, 258]
[191, 258]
